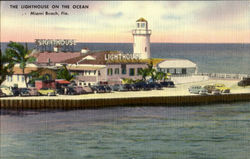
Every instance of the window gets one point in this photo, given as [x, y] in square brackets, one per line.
[124, 71]
[117, 71]
[110, 71]
[94, 72]
[145, 49]
[17, 76]
[184, 71]
[99, 73]
[178, 71]
[143, 25]
[131, 72]
[172, 71]
[138, 70]
[22, 79]
[89, 72]
[138, 25]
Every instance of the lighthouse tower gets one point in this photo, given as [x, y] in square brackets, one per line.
[141, 37]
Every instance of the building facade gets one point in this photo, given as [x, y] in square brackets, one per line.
[94, 68]
[18, 78]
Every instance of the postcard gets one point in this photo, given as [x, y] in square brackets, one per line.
[125, 79]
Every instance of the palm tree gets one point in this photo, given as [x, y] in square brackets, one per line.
[149, 71]
[64, 73]
[144, 73]
[6, 67]
[160, 75]
[19, 55]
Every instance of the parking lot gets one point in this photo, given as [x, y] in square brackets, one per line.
[178, 90]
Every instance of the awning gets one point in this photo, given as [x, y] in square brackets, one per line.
[63, 82]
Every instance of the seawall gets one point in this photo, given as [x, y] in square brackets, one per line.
[67, 104]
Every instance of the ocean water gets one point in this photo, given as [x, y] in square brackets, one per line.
[201, 132]
[210, 58]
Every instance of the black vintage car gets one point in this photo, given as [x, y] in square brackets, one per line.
[98, 89]
[244, 82]
[168, 84]
[107, 88]
[16, 91]
[24, 92]
[142, 86]
[155, 85]
[128, 87]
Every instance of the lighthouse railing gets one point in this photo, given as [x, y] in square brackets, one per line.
[141, 31]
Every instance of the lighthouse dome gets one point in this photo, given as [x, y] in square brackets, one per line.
[141, 20]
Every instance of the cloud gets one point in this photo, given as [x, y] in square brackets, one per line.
[171, 17]
[224, 11]
[112, 15]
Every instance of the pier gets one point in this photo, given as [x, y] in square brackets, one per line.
[67, 104]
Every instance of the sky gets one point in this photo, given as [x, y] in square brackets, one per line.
[113, 21]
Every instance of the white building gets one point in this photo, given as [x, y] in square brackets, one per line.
[177, 66]
[17, 79]
[141, 36]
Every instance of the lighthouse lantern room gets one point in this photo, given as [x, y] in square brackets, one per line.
[141, 37]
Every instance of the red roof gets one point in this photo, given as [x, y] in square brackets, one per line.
[56, 57]
[99, 56]
[99, 59]
[63, 82]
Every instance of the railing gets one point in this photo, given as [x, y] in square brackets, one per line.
[223, 75]
[214, 75]
[140, 31]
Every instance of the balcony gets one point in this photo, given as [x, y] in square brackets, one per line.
[141, 32]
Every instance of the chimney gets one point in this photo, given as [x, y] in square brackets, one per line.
[55, 49]
[84, 50]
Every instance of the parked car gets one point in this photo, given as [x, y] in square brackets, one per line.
[98, 89]
[24, 92]
[71, 91]
[222, 88]
[244, 82]
[7, 91]
[134, 88]
[87, 90]
[33, 91]
[47, 91]
[128, 87]
[15, 91]
[2, 94]
[211, 89]
[155, 85]
[167, 84]
[78, 89]
[60, 91]
[203, 92]
[107, 88]
[142, 86]
[197, 90]
[118, 87]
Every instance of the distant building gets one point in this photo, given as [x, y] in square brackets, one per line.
[177, 66]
